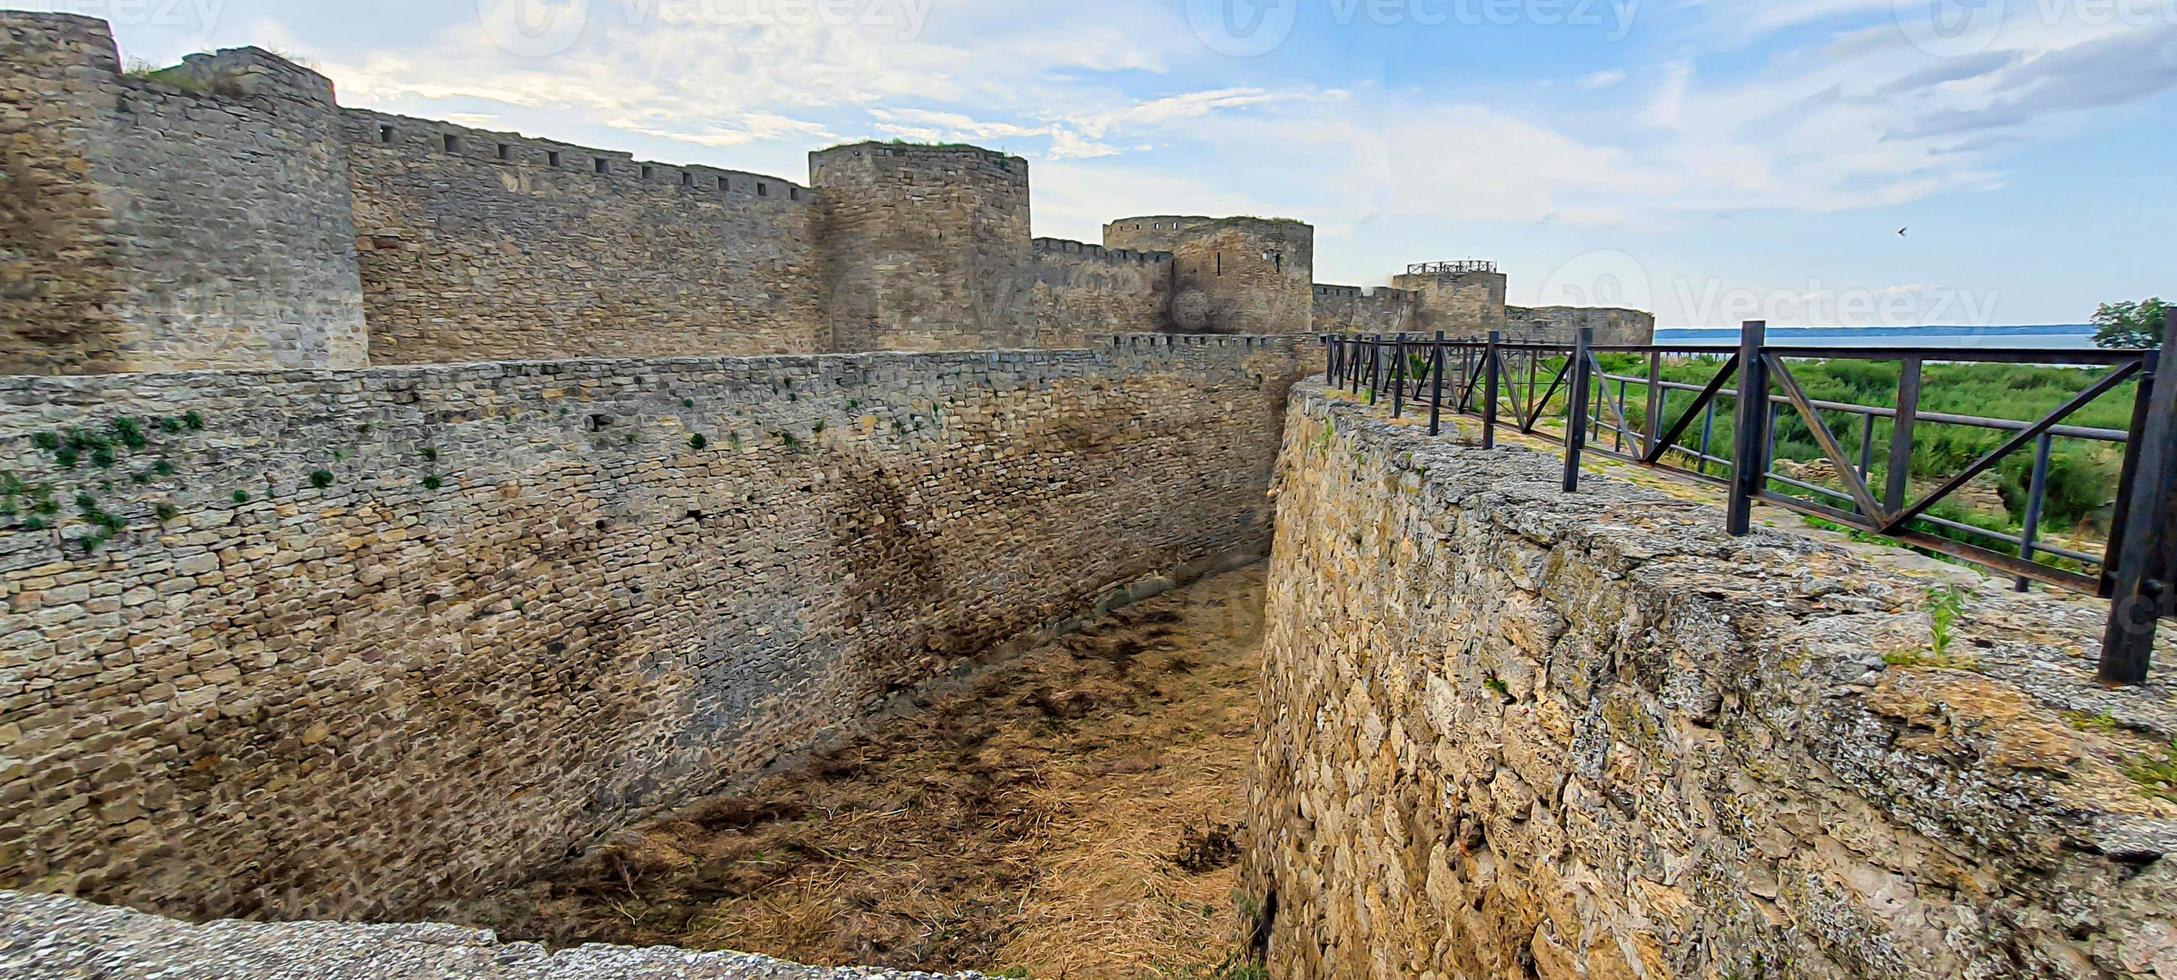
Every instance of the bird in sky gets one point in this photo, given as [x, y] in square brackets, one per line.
[1901, 231]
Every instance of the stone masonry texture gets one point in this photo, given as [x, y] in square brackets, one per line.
[1230, 275]
[346, 644]
[1087, 293]
[197, 219]
[479, 245]
[1508, 731]
[51, 938]
[926, 247]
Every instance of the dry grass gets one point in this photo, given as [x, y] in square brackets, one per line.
[1070, 815]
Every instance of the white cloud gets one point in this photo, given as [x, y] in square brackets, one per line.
[1602, 80]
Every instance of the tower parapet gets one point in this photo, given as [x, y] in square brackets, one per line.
[925, 247]
[1230, 275]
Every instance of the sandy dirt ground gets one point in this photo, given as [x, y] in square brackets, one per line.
[1069, 813]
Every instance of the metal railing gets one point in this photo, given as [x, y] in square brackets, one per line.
[1525, 385]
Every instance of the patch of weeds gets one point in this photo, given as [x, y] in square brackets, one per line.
[433, 482]
[165, 512]
[2104, 723]
[2156, 775]
[788, 440]
[163, 468]
[699, 441]
[192, 421]
[1945, 606]
[130, 433]
[1497, 686]
[321, 479]
[430, 454]
[1931, 660]
[853, 403]
[819, 428]
[241, 496]
[687, 403]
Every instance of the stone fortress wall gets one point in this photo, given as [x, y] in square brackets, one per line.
[479, 245]
[1230, 275]
[228, 214]
[1507, 731]
[1353, 310]
[344, 644]
[1560, 324]
[1085, 292]
[190, 220]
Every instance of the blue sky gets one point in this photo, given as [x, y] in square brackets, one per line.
[1713, 160]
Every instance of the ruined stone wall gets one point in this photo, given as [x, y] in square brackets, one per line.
[197, 219]
[1230, 275]
[1510, 732]
[1462, 304]
[1350, 309]
[925, 247]
[1562, 324]
[315, 644]
[1085, 294]
[479, 245]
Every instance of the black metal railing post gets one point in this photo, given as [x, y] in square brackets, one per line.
[1749, 459]
[1492, 360]
[1398, 379]
[1436, 386]
[1576, 412]
[1375, 366]
[1656, 403]
[1901, 435]
[1330, 360]
[1354, 370]
[2142, 593]
[2036, 498]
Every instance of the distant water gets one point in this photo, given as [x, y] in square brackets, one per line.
[2060, 336]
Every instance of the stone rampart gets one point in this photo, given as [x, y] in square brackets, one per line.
[1562, 324]
[1353, 310]
[1508, 731]
[926, 247]
[1230, 275]
[480, 246]
[1087, 293]
[194, 218]
[346, 644]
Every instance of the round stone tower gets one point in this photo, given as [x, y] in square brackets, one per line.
[1463, 299]
[925, 247]
[1230, 275]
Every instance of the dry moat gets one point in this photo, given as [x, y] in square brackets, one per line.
[1069, 813]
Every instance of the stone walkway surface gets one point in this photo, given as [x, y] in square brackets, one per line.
[45, 936]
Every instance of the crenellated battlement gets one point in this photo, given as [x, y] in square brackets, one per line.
[439, 140]
[1086, 250]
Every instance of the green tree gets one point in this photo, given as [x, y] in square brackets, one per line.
[2131, 326]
